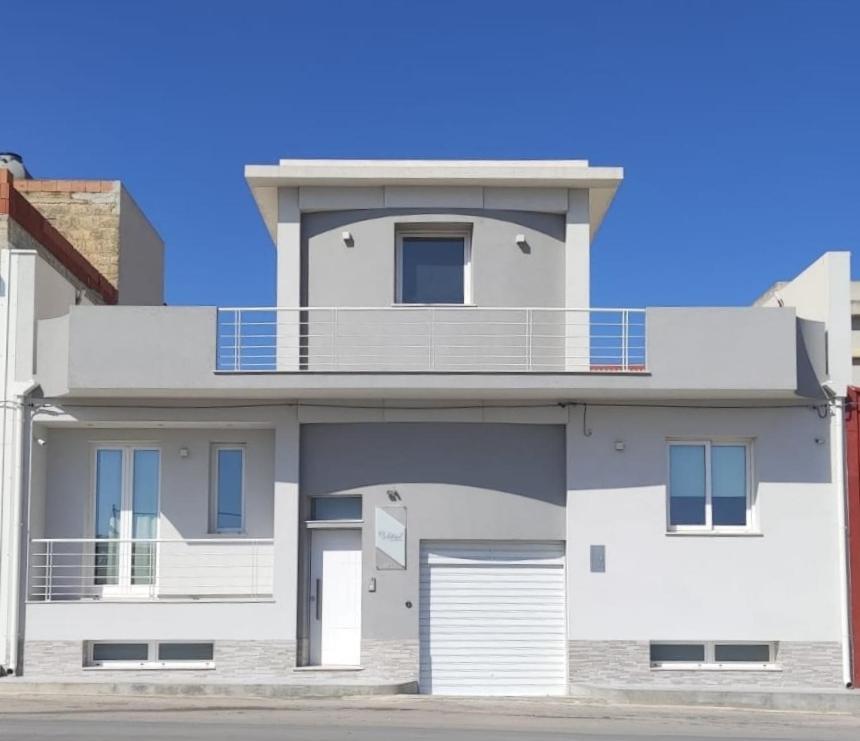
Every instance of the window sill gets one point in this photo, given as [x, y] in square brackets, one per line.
[142, 666]
[715, 533]
[680, 667]
[323, 524]
[333, 668]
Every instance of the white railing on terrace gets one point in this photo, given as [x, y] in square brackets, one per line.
[434, 339]
[64, 569]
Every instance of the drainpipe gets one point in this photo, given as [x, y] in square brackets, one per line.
[838, 464]
[14, 395]
[6, 514]
[26, 447]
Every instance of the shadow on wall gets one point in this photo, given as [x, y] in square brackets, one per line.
[552, 225]
[526, 460]
[790, 445]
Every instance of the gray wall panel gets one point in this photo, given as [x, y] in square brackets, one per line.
[457, 481]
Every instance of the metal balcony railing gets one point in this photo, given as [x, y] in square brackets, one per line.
[430, 339]
[64, 569]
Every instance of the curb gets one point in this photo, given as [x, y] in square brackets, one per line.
[204, 689]
[812, 701]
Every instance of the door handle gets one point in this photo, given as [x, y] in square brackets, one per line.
[318, 600]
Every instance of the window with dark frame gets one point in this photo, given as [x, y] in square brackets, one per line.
[433, 268]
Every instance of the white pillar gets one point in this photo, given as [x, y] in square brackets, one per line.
[838, 462]
[577, 280]
[286, 518]
[289, 279]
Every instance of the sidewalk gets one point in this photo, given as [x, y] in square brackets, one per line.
[805, 700]
[310, 687]
[754, 698]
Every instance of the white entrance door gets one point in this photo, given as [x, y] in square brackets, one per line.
[492, 618]
[335, 598]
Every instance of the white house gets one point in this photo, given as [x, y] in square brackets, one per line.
[434, 461]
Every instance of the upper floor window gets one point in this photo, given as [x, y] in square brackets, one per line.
[433, 267]
[710, 485]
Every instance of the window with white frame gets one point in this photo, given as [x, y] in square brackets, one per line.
[710, 485]
[433, 266]
[227, 501]
[713, 655]
[127, 483]
[149, 655]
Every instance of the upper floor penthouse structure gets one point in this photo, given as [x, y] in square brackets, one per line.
[423, 278]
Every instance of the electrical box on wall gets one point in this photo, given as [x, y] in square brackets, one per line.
[598, 559]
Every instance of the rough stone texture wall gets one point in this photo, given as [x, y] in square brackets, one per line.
[262, 659]
[55, 659]
[86, 212]
[389, 660]
[18, 238]
[240, 661]
[627, 663]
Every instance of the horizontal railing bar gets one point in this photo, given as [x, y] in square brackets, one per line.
[428, 338]
[430, 307]
[246, 541]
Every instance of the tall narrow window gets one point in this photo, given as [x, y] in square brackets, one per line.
[109, 501]
[709, 485]
[228, 479]
[127, 487]
[144, 497]
[687, 484]
[433, 268]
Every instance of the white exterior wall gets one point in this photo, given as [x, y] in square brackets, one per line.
[780, 585]
[822, 293]
[271, 511]
[185, 481]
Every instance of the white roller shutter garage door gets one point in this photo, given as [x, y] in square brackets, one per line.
[492, 618]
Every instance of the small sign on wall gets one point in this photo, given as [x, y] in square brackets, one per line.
[390, 529]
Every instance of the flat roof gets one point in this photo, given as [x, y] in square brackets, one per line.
[264, 180]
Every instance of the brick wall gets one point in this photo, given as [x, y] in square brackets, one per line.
[86, 213]
[810, 665]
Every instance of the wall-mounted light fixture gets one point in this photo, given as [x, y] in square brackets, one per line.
[619, 446]
[347, 238]
[184, 452]
[522, 243]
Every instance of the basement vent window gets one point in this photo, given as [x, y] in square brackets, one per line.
[149, 655]
[714, 655]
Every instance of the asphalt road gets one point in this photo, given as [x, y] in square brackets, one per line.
[390, 719]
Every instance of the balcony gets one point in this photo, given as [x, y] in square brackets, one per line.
[189, 352]
[430, 339]
[146, 569]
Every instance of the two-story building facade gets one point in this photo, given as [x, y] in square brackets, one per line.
[435, 461]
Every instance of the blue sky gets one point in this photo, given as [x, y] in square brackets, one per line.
[737, 123]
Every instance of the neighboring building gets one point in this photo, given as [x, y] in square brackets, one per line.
[43, 274]
[436, 461]
[855, 332]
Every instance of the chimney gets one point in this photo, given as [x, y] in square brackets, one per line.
[15, 164]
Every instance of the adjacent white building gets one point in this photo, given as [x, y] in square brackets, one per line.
[434, 461]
